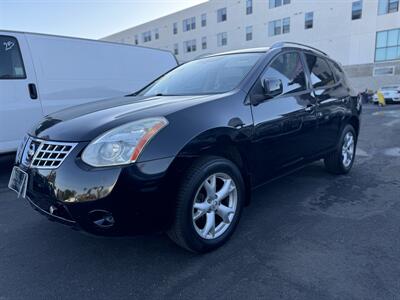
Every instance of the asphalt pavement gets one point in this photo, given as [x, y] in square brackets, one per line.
[310, 235]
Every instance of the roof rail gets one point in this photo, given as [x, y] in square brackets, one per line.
[282, 44]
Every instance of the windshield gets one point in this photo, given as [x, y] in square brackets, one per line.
[210, 75]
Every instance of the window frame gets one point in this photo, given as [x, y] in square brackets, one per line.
[20, 57]
[392, 73]
[309, 20]
[220, 13]
[176, 49]
[386, 46]
[249, 7]
[387, 6]
[249, 33]
[359, 13]
[219, 41]
[328, 62]
[285, 25]
[203, 20]
[204, 43]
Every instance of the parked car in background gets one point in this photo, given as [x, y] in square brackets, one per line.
[183, 154]
[390, 92]
[40, 74]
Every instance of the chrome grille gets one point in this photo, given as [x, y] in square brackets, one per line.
[46, 154]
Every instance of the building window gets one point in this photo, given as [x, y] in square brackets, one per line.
[189, 24]
[249, 33]
[249, 7]
[146, 36]
[384, 71]
[156, 34]
[387, 45]
[176, 49]
[189, 46]
[356, 10]
[222, 39]
[275, 28]
[309, 20]
[285, 25]
[221, 15]
[136, 40]
[388, 6]
[175, 28]
[276, 3]
[278, 27]
[204, 42]
[203, 20]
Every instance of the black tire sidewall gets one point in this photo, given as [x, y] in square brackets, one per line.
[192, 238]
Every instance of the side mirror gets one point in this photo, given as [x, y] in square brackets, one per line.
[272, 87]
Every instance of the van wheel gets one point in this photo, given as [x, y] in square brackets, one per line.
[209, 205]
[341, 161]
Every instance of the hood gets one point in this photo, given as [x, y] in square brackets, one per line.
[87, 121]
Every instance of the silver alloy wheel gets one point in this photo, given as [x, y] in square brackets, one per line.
[214, 206]
[348, 149]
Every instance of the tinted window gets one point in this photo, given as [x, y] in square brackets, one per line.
[11, 65]
[204, 76]
[321, 74]
[289, 69]
[337, 70]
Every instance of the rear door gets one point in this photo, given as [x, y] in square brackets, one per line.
[283, 126]
[331, 96]
[20, 105]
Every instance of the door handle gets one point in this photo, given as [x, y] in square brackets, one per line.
[310, 108]
[345, 100]
[32, 91]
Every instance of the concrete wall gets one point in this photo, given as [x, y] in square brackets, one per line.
[352, 42]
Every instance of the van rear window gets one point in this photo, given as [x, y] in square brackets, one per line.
[11, 64]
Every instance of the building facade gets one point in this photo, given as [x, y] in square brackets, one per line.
[363, 35]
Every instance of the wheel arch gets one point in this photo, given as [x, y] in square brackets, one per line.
[223, 142]
[355, 122]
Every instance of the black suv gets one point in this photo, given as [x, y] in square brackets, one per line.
[183, 154]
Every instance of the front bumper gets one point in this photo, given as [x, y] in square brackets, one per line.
[136, 197]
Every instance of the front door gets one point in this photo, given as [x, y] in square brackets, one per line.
[20, 106]
[284, 126]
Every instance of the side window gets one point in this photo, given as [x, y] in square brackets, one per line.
[321, 73]
[337, 71]
[11, 65]
[289, 69]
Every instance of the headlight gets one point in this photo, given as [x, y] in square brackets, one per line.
[122, 145]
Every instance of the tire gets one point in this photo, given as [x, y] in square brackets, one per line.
[335, 162]
[192, 194]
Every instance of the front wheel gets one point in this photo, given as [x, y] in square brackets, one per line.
[341, 161]
[209, 205]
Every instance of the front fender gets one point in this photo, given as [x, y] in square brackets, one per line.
[200, 126]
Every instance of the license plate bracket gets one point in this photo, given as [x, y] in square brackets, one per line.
[18, 182]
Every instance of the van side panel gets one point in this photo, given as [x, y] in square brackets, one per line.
[18, 110]
[74, 71]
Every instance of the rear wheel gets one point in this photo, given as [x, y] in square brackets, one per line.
[209, 205]
[341, 161]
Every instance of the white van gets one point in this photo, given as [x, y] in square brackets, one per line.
[40, 74]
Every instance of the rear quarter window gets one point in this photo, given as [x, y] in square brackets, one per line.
[11, 64]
